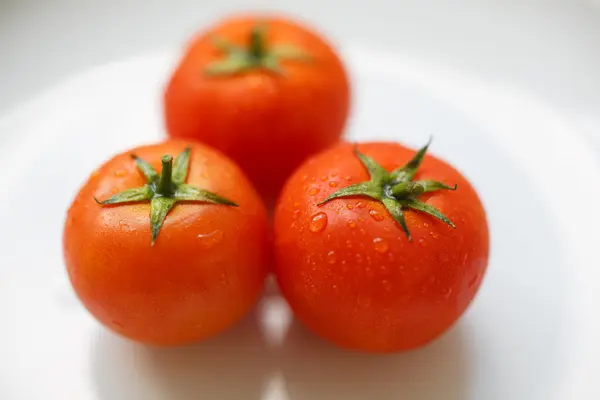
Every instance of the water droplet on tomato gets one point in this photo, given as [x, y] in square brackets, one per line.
[313, 179]
[223, 278]
[360, 204]
[333, 184]
[376, 215]
[211, 239]
[120, 173]
[334, 174]
[324, 178]
[295, 214]
[351, 224]
[331, 257]
[304, 178]
[361, 219]
[448, 293]
[318, 222]
[350, 206]
[473, 281]
[349, 244]
[387, 285]
[387, 229]
[425, 224]
[363, 301]
[313, 191]
[380, 245]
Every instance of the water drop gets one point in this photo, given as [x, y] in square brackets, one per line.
[295, 214]
[350, 206]
[363, 301]
[361, 219]
[120, 173]
[473, 281]
[384, 269]
[434, 235]
[324, 178]
[331, 257]
[448, 293]
[376, 215]
[318, 222]
[387, 229]
[304, 178]
[381, 246]
[333, 184]
[351, 224]
[360, 204]
[349, 244]
[313, 191]
[313, 179]
[387, 285]
[223, 278]
[363, 231]
[208, 240]
[334, 174]
[348, 178]
[425, 224]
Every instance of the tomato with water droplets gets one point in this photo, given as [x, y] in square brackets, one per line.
[397, 251]
[167, 251]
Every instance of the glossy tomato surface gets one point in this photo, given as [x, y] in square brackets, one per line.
[205, 270]
[267, 122]
[349, 271]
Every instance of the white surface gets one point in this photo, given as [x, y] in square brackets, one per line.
[531, 333]
[511, 93]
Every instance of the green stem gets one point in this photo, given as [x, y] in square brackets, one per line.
[258, 48]
[165, 186]
[404, 189]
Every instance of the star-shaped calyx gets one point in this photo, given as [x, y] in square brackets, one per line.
[165, 190]
[396, 189]
[256, 55]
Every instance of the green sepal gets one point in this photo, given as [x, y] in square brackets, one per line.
[145, 168]
[192, 193]
[159, 208]
[426, 208]
[181, 166]
[395, 209]
[129, 196]
[409, 170]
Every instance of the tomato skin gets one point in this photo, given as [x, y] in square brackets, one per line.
[190, 285]
[357, 280]
[253, 116]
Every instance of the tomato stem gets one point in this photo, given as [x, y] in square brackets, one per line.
[258, 47]
[165, 183]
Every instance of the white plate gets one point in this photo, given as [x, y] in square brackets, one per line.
[532, 333]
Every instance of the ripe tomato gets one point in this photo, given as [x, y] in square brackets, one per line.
[167, 258]
[251, 86]
[379, 261]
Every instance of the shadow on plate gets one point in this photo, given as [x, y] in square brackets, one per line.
[315, 370]
[232, 366]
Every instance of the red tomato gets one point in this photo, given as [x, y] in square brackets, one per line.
[265, 90]
[389, 260]
[172, 256]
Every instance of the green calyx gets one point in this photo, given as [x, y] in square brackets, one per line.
[256, 55]
[165, 190]
[396, 189]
